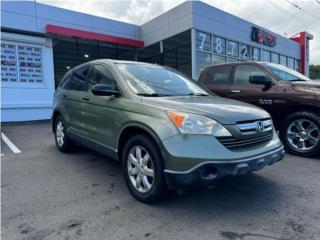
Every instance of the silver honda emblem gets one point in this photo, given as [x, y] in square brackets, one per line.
[260, 126]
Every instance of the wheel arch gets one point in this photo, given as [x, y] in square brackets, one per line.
[55, 114]
[132, 129]
[300, 108]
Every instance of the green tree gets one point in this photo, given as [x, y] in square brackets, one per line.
[315, 71]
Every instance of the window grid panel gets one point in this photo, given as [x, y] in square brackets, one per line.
[241, 51]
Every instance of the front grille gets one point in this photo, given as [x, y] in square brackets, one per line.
[247, 128]
[235, 144]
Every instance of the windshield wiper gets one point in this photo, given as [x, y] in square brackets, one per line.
[297, 80]
[148, 94]
[153, 95]
[198, 94]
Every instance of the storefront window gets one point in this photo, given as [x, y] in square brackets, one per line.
[9, 68]
[233, 49]
[223, 50]
[184, 59]
[275, 57]
[21, 63]
[203, 41]
[297, 65]
[218, 59]
[70, 52]
[283, 60]
[255, 54]
[219, 45]
[230, 60]
[176, 52]
[265, 56]
[203, 60]
[244, 52]
[291, 63]
[126, 53]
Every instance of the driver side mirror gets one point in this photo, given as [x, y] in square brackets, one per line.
[104, 90]
[262, 80]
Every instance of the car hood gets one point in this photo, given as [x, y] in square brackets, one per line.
[308, 86]
[225, 111]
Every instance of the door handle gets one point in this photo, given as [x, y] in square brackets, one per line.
[235, 91]
[86, 98]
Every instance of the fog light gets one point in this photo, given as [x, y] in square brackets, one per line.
[209, 173]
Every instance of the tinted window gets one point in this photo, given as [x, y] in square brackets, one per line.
[219, 45]
[203, 60]
[255, 54]
[283, 60]
[102, 75]
[203, 41]
[218, 75]
[243, 73]
[275, 57]
[216, 59]
[245, 51]
[265, 56]
[78, 80]
[65, 80]
[233, 49]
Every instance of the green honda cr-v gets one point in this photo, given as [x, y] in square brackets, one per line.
[167, 131]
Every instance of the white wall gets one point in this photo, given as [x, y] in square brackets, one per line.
[26, 101]
[168, 24]
[29, 101]
[216, 21]
[209, 19]
[33, 16]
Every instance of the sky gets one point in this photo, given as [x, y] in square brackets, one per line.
[285, 17]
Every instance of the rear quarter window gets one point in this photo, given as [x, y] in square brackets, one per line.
[65, 80]
[218, 75]
[77, 80]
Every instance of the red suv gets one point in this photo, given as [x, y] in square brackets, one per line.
[292, 99]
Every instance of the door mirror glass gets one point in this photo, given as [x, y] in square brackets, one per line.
[263, 80]
[104, 90]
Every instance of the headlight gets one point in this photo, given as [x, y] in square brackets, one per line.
[196, 124]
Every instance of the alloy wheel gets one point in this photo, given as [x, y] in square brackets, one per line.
[140, 169]
[59, 133]
[303, 135]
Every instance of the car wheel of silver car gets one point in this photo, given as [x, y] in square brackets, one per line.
[63, 143]
[301, 132]
[142, 169]
[59, 133]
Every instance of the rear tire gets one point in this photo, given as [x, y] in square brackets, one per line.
[143, 170]
[300, 134]
[63, 143]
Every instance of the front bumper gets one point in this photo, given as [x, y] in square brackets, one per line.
[206, 173]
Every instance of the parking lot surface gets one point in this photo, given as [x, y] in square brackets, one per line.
[82, 195]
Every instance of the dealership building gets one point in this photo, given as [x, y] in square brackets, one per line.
[39, 43]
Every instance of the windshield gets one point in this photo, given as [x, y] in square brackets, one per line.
[153, 80]
[285, 73]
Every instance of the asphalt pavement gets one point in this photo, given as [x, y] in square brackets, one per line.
[46, 194]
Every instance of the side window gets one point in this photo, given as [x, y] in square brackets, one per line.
[65, 80]
[77, 80]
[102, 75]
[243, 73]
[218, 75]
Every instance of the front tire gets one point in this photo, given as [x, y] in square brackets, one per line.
[300, 134]
[63, 143]
[142, 169]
